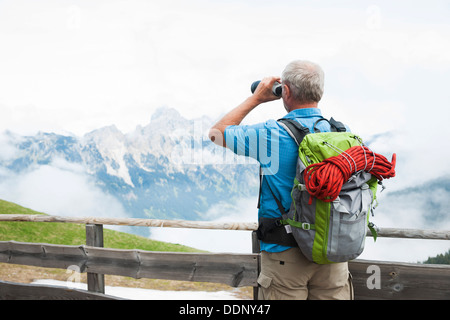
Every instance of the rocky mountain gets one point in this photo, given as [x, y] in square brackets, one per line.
[167, 169]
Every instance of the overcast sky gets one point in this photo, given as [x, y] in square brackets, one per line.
[78, 65]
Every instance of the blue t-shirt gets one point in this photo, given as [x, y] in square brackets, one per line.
[277, 154]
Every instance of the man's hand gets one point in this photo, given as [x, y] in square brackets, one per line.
[263, 93]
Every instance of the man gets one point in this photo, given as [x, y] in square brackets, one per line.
[285, 272]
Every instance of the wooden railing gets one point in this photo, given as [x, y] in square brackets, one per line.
[371, 279]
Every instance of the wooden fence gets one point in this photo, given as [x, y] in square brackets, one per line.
[371, 279]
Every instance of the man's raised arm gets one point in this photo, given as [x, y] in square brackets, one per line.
[263, 93]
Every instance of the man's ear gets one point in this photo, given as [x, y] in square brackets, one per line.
[287, 91]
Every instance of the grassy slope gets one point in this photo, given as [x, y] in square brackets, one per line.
[73, 234]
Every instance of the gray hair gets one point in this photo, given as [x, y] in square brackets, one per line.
[305, 79]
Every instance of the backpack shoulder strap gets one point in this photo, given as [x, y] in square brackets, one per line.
[294, 129]
[297, 132]
[336, 126]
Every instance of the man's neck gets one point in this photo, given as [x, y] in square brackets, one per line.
[303, 106]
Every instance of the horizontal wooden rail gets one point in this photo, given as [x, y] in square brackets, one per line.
[246, 226]
[413, 233]
[371, 279]
[382, 280]
[235, 270]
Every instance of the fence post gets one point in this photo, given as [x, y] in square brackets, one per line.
[256, 249]
[94, 238]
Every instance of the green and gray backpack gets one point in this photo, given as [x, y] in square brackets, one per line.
[326, 232]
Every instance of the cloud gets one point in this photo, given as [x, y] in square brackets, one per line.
[407, 211]
[89, 64]
[238, 241]
[403, 250]
[8, 150]
[60, 188]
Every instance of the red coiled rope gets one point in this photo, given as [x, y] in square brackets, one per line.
[324, 180]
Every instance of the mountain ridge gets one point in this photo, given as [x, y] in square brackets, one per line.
[167, 169]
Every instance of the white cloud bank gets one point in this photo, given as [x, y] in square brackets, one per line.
[237, 241]
[60, 188]
[78, 66]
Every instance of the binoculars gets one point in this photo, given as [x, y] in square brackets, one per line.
[276, 89]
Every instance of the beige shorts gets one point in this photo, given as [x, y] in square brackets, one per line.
[289, 275]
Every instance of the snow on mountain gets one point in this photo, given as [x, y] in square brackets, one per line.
[111, 144]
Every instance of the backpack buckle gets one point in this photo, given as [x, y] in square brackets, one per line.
[306, 226]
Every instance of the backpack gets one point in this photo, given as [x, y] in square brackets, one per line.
[330, 230]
